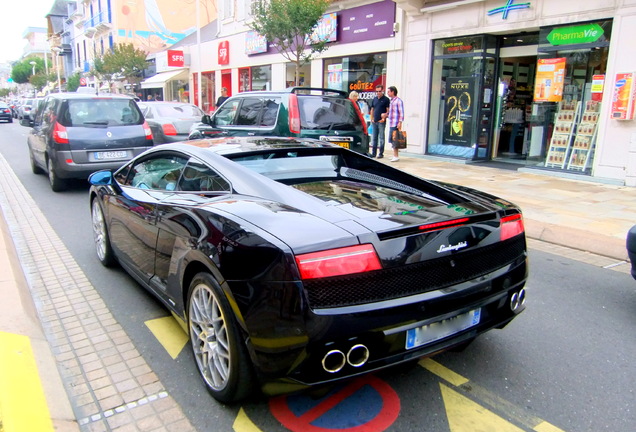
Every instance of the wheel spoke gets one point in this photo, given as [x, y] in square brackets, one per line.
[209, 337]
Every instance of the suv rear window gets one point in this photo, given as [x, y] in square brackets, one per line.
[327, 113]
[100, 112]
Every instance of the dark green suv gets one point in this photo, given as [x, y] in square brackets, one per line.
[324, 114]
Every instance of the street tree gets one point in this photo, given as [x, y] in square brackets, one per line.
[41, 79]
[291, 25]
[73, 82]
[22, 70]
[123, 62]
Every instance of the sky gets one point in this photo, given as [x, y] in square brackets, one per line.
[15, 20]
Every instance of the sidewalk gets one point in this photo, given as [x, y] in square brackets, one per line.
[92, 378]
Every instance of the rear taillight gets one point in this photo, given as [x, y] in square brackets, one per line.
[336, 262]
[147, 131]
[169, 129]
[60, 135]
[294, 114]
[435, 226]
[361, 117]
[511, 226]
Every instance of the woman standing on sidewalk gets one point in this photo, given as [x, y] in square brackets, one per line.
[396, 117]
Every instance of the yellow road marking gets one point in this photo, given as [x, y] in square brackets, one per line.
[519, 415]
[169, 334]
[443, 372]
[464, 415]
[242, 423]
[22, 398]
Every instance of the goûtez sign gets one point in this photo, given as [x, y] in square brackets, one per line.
[586, 33]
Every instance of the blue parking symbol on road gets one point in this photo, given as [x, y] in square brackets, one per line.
[366, 404]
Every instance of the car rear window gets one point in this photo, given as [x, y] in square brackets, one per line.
[328, 113]
[177, 111]
[100, 112]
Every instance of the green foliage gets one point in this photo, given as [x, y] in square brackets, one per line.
[40, 80]
[4, 92]
[22, 70]
[73, 82]
[289, 24]
[124, 61]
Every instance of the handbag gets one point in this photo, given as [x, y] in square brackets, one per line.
[399, 138]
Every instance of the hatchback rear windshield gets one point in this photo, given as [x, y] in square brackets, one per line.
[328, 113]
[100, 112]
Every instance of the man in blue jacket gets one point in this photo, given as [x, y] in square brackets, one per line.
[379, 106]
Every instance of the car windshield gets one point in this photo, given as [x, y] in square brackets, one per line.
[100, 112]
[327, 113]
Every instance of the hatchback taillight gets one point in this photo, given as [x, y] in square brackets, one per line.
[169, 129]
[511, 226]
[147, 131]
[60, 136]
[336, 262]
[294, 114]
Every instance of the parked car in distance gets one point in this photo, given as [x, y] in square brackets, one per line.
[324, 114]
[24, 110]
[75, 134]
[5, 112]
[631, 248]
[170, 121]
[298, 263]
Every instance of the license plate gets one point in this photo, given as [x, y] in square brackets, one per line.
[438, 330]
[110, 155]
[342, 144]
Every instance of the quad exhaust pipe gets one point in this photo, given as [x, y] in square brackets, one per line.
[335, 360]
[517, 300]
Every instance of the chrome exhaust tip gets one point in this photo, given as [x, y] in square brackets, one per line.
[333, 361]
[517, 300]
[358, 355]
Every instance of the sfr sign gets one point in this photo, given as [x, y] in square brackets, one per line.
[175, 58]
[224, 52]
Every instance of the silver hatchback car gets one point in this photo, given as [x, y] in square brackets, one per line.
[74, 135]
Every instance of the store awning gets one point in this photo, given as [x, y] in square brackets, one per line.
[158, 81]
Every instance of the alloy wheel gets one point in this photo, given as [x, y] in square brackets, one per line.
[209, 336]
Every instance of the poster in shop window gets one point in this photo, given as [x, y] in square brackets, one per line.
[548, 83]
[458, 111]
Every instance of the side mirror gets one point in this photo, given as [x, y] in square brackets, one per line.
[101, 178]
[205, 119]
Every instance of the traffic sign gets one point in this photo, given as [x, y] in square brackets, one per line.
[366, 404]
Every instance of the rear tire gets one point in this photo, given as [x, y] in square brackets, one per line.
[218, 347]
[100, 234]
[57, 184]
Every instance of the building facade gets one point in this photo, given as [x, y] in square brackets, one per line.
[540, 83]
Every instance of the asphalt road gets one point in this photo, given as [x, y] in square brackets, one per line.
[567, 362]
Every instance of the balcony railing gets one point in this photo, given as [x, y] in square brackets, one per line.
[101, 21]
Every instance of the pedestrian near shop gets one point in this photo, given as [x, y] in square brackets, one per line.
[222, 98]
[396, 117]
[379, 108]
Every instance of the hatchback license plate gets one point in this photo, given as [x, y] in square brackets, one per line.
[110, 155]
[342, 144]
[438, 330]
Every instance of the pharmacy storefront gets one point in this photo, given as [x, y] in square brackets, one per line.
[543, 85]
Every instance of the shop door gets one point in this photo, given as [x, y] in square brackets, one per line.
[226, 80]
[513, 128]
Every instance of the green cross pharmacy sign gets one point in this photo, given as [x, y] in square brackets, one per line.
[580, 34]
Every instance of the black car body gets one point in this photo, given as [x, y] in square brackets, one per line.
[170, 121]
[74, 135]
[6, 113]
[324, 114]
[631, 248]
[306, 263]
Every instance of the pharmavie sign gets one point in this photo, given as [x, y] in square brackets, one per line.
[579, 34]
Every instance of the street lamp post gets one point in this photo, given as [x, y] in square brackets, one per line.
[32, 63]
[57, 50]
